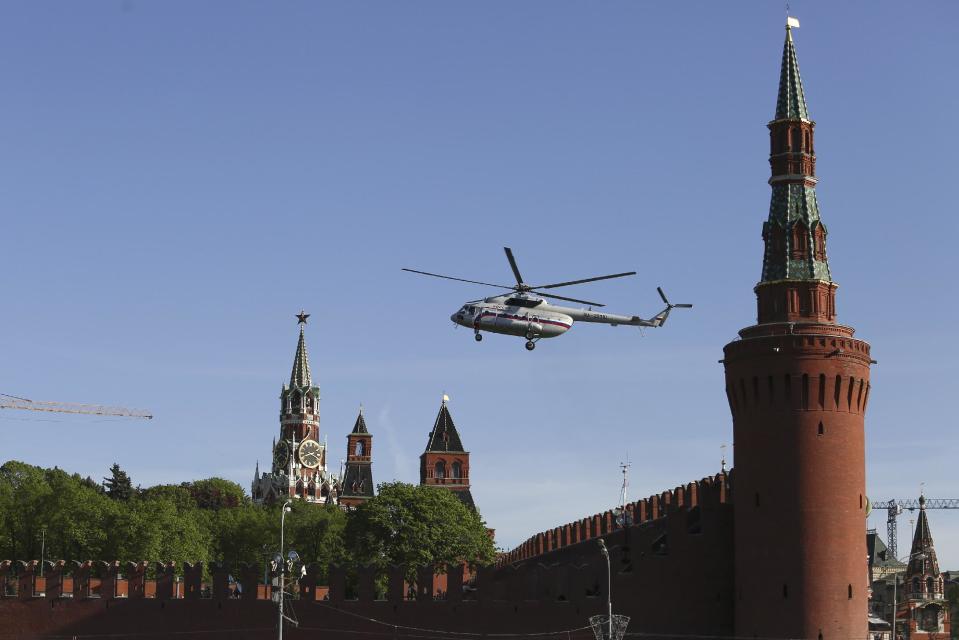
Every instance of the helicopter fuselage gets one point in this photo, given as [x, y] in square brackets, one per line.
[520, 315]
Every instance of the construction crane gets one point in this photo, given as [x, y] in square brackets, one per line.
[16, 402]
[895, 507]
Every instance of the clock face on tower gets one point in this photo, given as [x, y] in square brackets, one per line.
[281, 454]
[309, 453]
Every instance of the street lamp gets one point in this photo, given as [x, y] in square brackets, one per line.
[609, 586]
[281, 566]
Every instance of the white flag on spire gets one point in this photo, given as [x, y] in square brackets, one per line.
[792, 22]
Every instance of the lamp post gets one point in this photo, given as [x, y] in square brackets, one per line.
[281, 566]
[609, 587]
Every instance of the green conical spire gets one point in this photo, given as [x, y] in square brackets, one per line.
[791, 103]
[301, 365]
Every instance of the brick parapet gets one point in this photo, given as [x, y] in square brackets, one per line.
[706, 492]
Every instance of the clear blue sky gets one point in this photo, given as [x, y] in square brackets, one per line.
[180, 178]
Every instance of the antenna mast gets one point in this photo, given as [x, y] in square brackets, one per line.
[625, 467]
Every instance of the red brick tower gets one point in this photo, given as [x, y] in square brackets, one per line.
[445, 463]
[357, 485]
[797, 384]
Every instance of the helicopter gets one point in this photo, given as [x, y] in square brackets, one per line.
[524, 312]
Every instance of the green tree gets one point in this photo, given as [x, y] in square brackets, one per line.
[118, 486]
[415, 526]
[215, 493]
[23, 492]
[245, 534]
[73, 515]
[317, 533]
[158, 528]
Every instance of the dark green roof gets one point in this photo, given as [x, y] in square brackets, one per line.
[792, 204]
[923, 553]
[360, 425]
[791, 103]
[301, 365]
[444, 436]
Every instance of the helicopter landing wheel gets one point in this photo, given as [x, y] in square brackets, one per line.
[478, 337]
[530, 345]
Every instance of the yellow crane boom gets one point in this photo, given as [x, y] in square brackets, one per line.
[15, 402]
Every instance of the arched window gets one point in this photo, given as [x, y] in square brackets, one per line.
[456, 470]
[796, 140]
[930, 585]
[800, 238]
[819, 242]
[360, 449]
[299, 487]
[295, 402]
[439, 469]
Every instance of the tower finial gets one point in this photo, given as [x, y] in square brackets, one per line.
[301, 377]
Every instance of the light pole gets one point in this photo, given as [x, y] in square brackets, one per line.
[281, 566]
[609, 586]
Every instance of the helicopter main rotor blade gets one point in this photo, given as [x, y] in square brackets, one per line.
[549, 295]
[566, 284]
[671, 305]
[436, 275]
[512, 264]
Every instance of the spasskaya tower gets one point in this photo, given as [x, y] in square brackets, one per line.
[798, 384]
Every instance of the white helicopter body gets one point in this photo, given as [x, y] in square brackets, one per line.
[533, 318]
[525, 313]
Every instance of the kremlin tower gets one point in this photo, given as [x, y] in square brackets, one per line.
[357, 484]
[444, 462]
[798, 385]
[299, 458]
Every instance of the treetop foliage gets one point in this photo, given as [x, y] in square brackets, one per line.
[213, 520]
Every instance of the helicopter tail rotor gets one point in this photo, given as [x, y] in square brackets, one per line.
[660, 318]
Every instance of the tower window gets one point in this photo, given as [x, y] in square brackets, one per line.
[456, 470]
[800, 238]
[805, 391]
[822, 429]
[439, 469]
[796, 140]
[822, 390]
[838, 391]
[849, 591]
[360, 449]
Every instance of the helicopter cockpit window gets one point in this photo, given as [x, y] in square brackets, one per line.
[522, 302]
